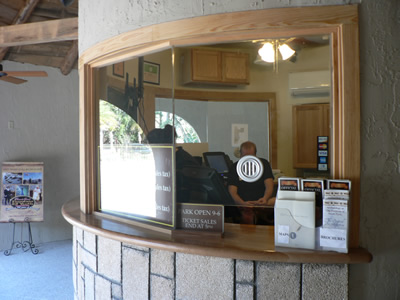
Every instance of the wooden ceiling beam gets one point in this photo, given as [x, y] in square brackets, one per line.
[70, 59]
[36, 59]
[25, 12]
[20, 18]
[39, 32]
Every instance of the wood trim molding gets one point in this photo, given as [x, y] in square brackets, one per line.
[229, 26]
[340, 22]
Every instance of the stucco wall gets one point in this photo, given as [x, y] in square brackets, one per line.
[380, 142]
[102, 20]
[380, 73]
[46, 118]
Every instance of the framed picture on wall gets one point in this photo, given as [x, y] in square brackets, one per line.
[151, 73]
[119, 69]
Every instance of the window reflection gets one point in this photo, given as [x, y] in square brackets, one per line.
[120, 167]
[123, 161]
[215, 119]
[185, 133]
[135, 177]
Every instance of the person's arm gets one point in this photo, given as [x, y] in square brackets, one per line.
[269, 188]
[235, 196]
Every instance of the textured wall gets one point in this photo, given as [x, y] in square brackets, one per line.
[107, 269]
[380, 105]
[45, 114]
[380, 142]
[121, 16]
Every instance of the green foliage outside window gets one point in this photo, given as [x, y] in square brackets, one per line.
[185, 133]
[117, 126]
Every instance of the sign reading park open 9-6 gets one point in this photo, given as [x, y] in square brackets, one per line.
[21, 192]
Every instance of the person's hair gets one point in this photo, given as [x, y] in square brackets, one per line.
[161, 136]
[248, 145]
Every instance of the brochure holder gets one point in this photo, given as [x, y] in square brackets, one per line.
[295, 219]
[334, 233]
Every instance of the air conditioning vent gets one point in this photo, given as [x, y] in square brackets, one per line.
[311, 84]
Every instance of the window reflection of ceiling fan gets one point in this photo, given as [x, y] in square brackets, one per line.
[11, 76]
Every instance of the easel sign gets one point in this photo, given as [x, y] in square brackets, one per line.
[22, 192]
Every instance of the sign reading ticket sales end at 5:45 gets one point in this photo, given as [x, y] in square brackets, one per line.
[22, 192]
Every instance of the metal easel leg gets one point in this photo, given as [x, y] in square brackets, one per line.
[26, 245]
[14, 243]
[30, 243]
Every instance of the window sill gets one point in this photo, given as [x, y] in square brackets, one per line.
[247, 242]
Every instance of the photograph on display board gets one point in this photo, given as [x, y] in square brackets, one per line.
[21, 192]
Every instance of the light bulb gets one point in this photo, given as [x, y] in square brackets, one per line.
[267, 52]
[285, 51]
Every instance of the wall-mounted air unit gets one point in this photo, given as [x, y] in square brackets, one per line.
[310, 84]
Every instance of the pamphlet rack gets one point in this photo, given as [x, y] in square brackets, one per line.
[25, 245]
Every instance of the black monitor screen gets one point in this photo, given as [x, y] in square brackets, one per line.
[200, 184]
[216, 161]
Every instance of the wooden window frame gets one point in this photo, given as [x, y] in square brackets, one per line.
[339, 22]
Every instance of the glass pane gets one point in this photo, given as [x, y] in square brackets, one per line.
[174, 130]
[136, 174]
[211, 77]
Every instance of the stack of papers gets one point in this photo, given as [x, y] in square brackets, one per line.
[335, 210]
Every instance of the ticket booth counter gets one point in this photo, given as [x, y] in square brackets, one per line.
[115, 257]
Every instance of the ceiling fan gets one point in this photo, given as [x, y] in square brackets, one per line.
[11, 76]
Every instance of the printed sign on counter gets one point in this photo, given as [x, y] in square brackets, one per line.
[199, 217]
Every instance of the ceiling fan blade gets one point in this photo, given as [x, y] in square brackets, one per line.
[13, 79]
[26, 73]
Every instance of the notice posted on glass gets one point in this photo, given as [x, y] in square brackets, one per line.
[164, 182]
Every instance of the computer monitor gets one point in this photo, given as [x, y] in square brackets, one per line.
[217, 161]
[201, 184]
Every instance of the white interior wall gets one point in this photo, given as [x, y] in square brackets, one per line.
[379, 27]
[213, 122]
[46, 129]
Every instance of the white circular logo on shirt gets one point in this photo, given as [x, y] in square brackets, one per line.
[250, 168]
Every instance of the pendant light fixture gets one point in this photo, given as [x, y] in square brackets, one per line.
[268, 52]
[272, 51]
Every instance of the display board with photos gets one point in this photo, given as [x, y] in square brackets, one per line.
[22, 192]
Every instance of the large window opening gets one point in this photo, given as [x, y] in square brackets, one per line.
[108, 65]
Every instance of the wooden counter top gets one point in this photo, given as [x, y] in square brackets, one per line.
[248, 242]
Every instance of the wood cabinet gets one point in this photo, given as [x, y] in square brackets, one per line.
[215, 67]
[309, 122]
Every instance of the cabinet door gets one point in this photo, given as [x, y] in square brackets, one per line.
[235, 67]
[206, 65]
[309, 122]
